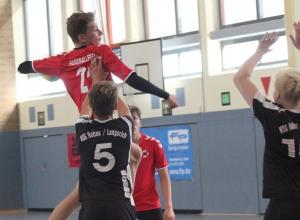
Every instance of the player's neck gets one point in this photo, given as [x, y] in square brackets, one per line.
[79, 45]
[103, 118]
[136, 138]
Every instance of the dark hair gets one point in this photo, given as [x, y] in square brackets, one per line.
[78, 23]
[135, 109]
[103, 98]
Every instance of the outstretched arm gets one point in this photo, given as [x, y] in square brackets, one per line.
[242, 77]
[26, 67]
[167, 193]
[296, 40]
[135, 158]
[143, 85]
[67, 206]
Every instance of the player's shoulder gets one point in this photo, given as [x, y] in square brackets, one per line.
[84, 119]
[151, 140]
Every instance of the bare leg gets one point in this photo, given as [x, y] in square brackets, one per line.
[67, 206]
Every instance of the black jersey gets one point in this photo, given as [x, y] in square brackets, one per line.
[281, 166]
[104, 148]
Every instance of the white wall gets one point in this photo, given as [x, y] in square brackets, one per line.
[201, 94]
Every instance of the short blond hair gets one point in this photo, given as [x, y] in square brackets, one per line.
[103, 98]
[287, 83]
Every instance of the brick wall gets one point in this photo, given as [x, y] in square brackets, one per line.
[9, 119]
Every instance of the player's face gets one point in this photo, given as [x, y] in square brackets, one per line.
[93, 35]
[137, 122]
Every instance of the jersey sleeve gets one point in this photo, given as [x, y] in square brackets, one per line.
[129, 121]
[264, 110]
[48, 66]
[160, 160]
[112, 63]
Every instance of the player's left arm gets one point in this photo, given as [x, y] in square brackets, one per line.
[165, 183]
[143, 85]
[242, 78]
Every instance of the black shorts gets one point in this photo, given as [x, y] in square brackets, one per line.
[153, 214]
[283, 210]
[106, 210]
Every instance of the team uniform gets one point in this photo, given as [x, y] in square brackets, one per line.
[72, 68]
[105, 183]
[145, 193]
[281, 166]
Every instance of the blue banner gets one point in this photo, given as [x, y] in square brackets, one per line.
[177, 144]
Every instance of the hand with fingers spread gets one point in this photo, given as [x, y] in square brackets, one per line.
[296, 39]
[266, 42]
[97, 72]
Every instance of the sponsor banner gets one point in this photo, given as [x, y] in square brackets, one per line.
[73, 154]
[177, 144]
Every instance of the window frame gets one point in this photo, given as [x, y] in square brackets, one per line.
[178, 27]
[178, 51]
[258, 19]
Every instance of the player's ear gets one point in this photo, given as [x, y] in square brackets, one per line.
[81, 37]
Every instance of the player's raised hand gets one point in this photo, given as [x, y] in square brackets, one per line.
[266, 42]
[173, 101]
[97, 72]
[296, 40]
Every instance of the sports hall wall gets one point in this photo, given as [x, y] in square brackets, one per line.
[202, 109]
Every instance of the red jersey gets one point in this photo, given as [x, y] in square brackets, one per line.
[72, 69]
[145, 193]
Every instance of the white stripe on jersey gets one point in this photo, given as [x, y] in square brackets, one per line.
[129, 125]
[128, 166]
[84, 119]
[270, 105]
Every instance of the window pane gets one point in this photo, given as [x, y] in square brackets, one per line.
[36, 29]
[39, 86]
[234, 55]
[57, 46]
[117, 19]
[87, 6]
[189, 15]
[236, 11]
[170, 65]
[160, 16]
[190, 62]
[279, 52]
[58, 86]
[272, 8]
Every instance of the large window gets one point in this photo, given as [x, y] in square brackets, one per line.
[237, 12]
[44, 39]
[116, 21]
[170, 17]
[243, 24]
[184, 62]
[235, 52]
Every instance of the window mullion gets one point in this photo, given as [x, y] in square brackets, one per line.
[177, 17]
[50, 30]
[259, 10]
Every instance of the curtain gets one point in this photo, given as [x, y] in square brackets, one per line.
[100, 18]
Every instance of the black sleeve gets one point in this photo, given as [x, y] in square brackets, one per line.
[143, 85]
[26, 67]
